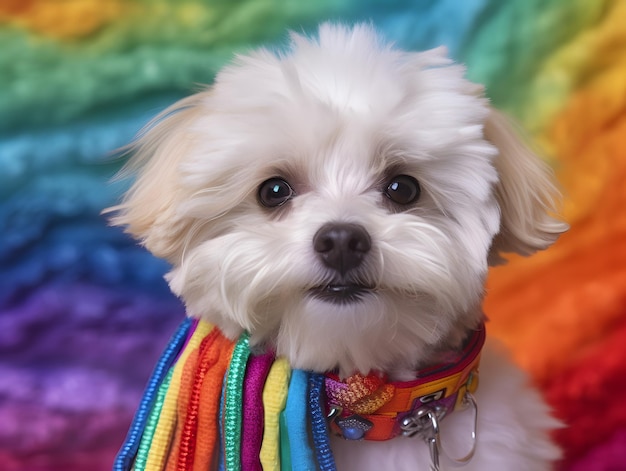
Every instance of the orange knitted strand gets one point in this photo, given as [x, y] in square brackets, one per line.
[186, 384]
[208, 356]
[210, 393]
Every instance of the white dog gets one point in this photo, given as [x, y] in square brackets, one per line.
[342, 202]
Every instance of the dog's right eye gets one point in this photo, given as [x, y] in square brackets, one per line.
[275, 192]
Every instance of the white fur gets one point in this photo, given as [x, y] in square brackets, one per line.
[336, 117]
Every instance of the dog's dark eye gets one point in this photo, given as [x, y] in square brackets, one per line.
[275, 192]
[403, 189]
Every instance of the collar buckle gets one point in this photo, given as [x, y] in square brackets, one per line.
[424, 422]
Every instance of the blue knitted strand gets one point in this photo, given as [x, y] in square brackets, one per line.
[124, 459]
[302, 458]
[319, 427]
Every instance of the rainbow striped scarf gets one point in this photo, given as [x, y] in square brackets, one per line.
[211, 404]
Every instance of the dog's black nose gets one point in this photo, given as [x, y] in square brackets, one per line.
[342, 246]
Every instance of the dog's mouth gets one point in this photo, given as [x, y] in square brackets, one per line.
[341, 293]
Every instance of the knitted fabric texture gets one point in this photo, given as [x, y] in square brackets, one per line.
[190, 425]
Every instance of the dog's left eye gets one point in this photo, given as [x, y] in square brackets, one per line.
[275, 192]
[403, 189]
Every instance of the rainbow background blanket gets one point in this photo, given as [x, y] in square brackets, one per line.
[84, 312]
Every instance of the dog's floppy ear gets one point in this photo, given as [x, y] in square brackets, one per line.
[525, 192]
[148, 210]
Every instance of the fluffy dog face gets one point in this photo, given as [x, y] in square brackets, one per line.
[340, 202]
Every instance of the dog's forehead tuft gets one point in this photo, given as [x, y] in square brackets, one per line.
[351, 70]
[348, 77]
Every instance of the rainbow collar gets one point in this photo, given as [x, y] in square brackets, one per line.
[370, 408]
[211, 404]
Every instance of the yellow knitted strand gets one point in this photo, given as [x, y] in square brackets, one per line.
[274, 400]
[167, 420]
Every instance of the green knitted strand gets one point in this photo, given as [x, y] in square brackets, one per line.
[233, 404]
[153, 420]
[285, 455]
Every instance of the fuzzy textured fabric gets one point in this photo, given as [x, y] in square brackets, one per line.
[207, 378]
[84, 312]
